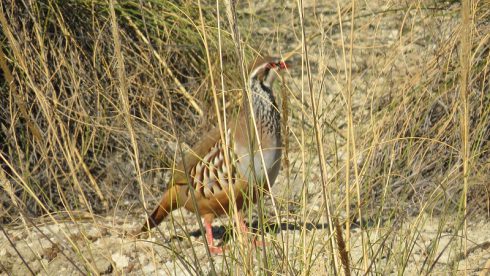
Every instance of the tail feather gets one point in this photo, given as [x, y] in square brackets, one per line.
[168, 203]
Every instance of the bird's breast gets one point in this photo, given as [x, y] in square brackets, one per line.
[265, 162]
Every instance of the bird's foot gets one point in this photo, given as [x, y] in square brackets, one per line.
[215, 249]
[259, 243]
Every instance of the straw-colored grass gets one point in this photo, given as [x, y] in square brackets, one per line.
[386, 114]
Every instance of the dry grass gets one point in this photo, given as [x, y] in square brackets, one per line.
[387, 117]
[63, 117]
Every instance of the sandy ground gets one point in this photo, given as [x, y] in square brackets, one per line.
[67, 248]
[104, 244]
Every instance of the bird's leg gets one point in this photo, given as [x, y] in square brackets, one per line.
[245, 230]
[209, 236]
[242, 225]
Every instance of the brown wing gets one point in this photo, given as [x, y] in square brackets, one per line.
[210, 176]
[199, 160]
[211, 183]
[177, 193]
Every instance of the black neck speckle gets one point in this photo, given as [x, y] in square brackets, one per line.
[265, 107]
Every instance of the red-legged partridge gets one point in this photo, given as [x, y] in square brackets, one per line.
[205, 163]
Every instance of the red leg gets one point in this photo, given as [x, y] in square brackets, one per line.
[209, 237]
[245, 231]
[243, 226]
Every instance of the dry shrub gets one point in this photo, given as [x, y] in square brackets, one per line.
[417, 163]
[64, 141]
